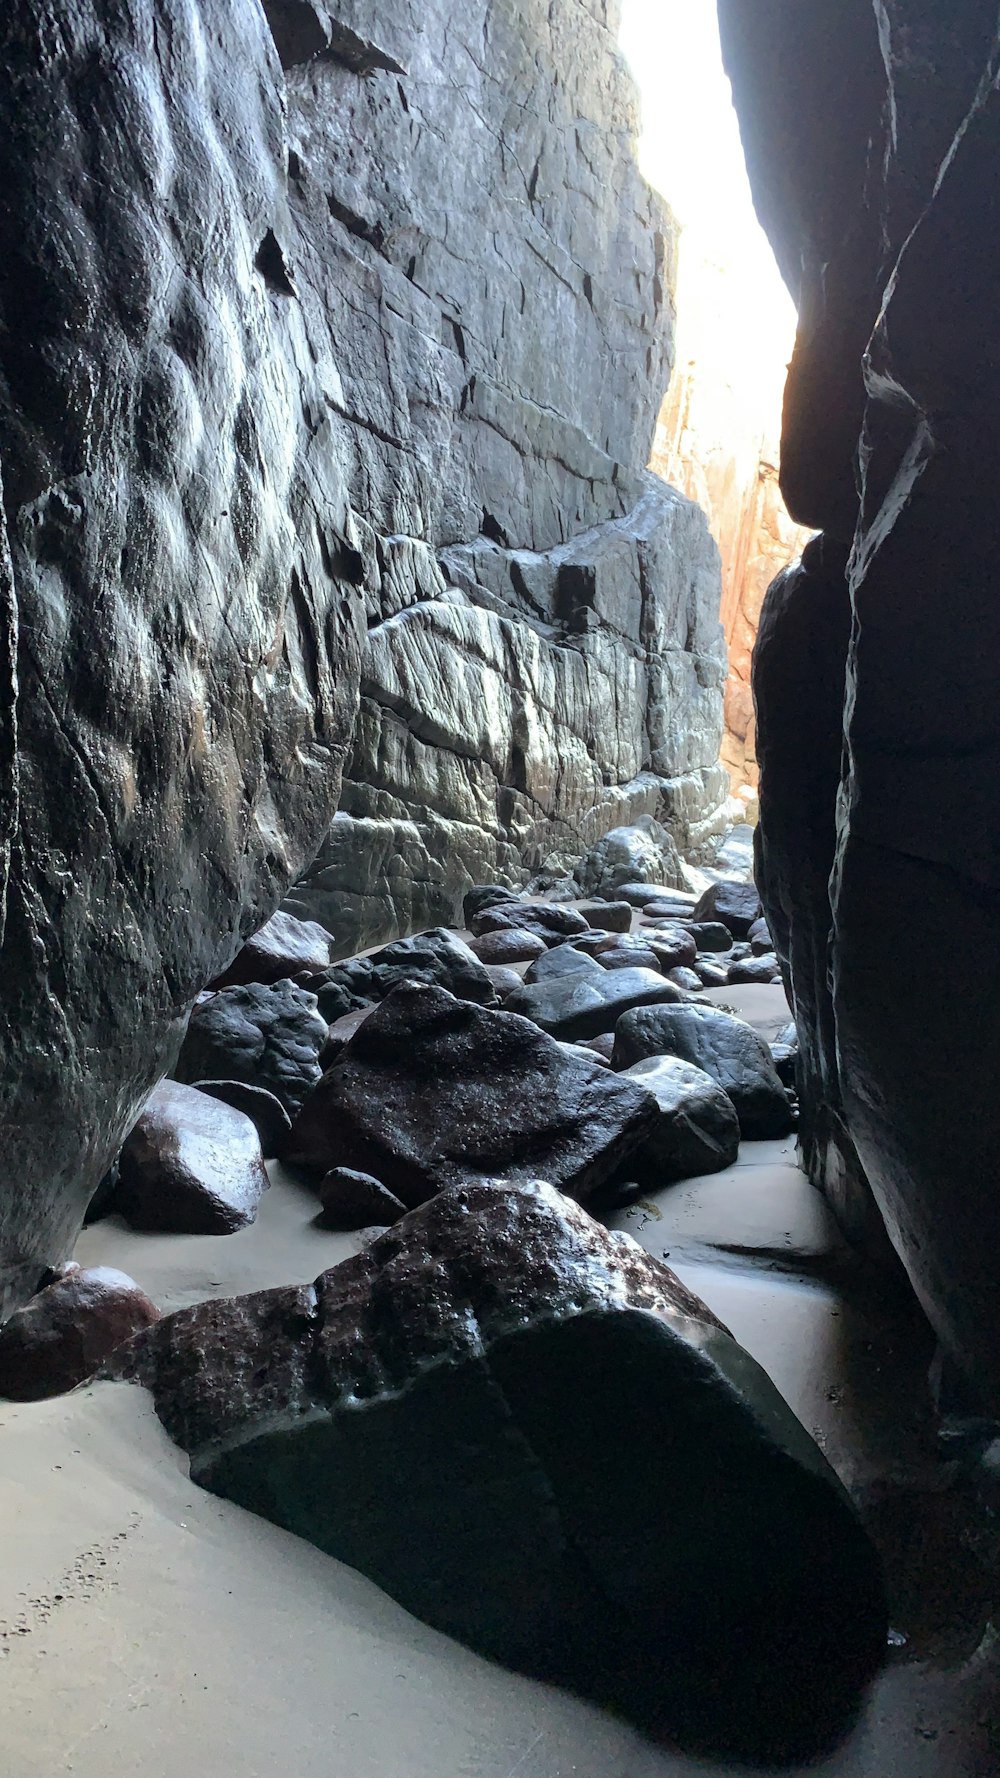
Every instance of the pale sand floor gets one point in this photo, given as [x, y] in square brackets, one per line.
[149, 1630]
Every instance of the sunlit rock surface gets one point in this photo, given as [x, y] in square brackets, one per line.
[544, 657]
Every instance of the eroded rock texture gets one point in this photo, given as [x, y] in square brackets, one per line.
[873, 138]
[534, 1436]
[544, 656]
[180, 627]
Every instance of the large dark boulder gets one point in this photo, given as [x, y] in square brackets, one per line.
[580, 1004]
[267, 1035]
[725, 1047]
[878, 185]
[533, 1436]
[179, 623]
[66, 1332]
[432, 1090]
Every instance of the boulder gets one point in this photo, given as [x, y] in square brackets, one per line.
[546, 919]
[505, 979]
[66, 1332]
[191, 1165]
[760, 938]
[433, 1090]
[698, 1132]
[562, 960]
[733, 904]
[266, 1113]
[642, 895]
[586, 1003]
[282, 947]
[712, 971]
[353, 1200]
[269, 1036]
[723, 1046]
[755, 969]
[785, 1052]
[675, 948]
[485, 895]
[642, 853]
[438, 957]
[512, 944]
[636, 957]
[708, 935]
[609, 916]
[536, 1439]
[686, 979]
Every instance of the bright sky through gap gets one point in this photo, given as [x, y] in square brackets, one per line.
[690, 151]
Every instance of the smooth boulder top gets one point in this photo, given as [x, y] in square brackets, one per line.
[533, 1436]
[282, 947]
[190, 1165]
[736, 905]
[266, 1113]
[584, 1004]
[65, 1333]
[433, 1090]
[547, 919]
[560, 961]
[698, 1131]
[642, 895]
[725, 1047]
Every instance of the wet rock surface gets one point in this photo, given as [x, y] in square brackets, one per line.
[66, 1332]
[698, 1131]
[181, 631]
[440, 958]
[433, 1090]
[266, 1113]
[873, 206]
[544, 657]
[725, 1047]
[353, 1200]
[578, 1005]
[267, 1036]
[730, 903]
[282, 947]
[708, 1543]
[191, 1165]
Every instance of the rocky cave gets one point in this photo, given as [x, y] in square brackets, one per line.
[497, 1225]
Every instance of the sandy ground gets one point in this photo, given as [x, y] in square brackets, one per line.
[149, 1629]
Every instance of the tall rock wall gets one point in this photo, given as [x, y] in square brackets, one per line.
[544, 657]
[322, 334]
[180, 625]
[873, 143]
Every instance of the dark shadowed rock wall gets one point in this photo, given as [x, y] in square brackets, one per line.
[544, 658]
[368, 362]
[180, 634]
[873, 140]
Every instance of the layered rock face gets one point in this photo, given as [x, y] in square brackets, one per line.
[873, 140]
[544, 658]
[181, 625]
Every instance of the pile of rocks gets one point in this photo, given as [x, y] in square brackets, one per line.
[460, 1095]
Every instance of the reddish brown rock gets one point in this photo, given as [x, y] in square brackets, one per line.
[608, 916]
[284, 947]
[267, 1114]
[636, 957]
[512, 944]
[65, 1333]
[191, 1165]
[674, 948]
